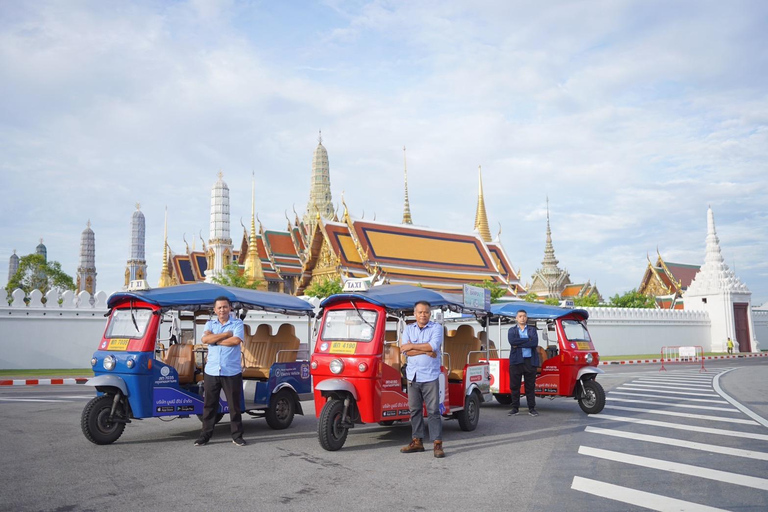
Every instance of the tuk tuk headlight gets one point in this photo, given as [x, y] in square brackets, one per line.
[130, 363]
[313, 365]
[336, 366]
[590, 358]
[94, 361]
[109, 363]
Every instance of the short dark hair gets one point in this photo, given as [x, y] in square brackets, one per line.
[423, 303]
[222, 297]
[521, 311]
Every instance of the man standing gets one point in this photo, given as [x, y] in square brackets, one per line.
[523, 360]
[422, 343]
[730, 345]
[223, 335]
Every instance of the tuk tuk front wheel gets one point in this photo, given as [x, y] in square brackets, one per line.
[281, 410]
[469, 417]
[95, 421]
[330, 431]
[592, 398]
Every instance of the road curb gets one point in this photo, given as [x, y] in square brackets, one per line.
[43, 382]
[644, 361]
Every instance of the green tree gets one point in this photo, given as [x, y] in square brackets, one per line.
[531, 297]
[35, 273]
[590, 301]
[232, 275]
[497, 291]
[632, 299]
[323, 288]
[552, 301]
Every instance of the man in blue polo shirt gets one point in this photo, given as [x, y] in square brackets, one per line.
[422, 342]
[223, 335]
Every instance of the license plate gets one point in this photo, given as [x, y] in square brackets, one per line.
[582, 345]
[118, 344]
[343, 347]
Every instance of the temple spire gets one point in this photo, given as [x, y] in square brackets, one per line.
[407, 208]
[253, 269]
[165, 276]
[481, 218]
[549, 263]
[320, 188]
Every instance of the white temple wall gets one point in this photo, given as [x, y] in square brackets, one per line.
[760, 323]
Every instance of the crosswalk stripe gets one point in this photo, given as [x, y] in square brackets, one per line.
[681, 387]
[713, 448]
[657, 395]
[648, 388]
[736, 404]
[679, 426]
[673, 383]
[676, 467]
[30, 400]
[682, 415]
[634, 497]
[685, 406]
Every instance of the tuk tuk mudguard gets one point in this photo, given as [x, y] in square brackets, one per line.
[587, 370]
[108, 381]
[331, 385]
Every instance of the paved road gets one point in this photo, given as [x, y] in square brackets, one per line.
[663, 436]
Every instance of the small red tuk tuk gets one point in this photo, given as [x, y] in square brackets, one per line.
[356, 364]
[568, 360]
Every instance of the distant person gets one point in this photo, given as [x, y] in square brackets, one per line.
[523, 360]
[730, 346]
[422, 342]
[223, 335]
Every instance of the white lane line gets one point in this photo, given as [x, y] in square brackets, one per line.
[680, 387]
[658, 395]
[667, 404]
[637, 387]
[638, 498]
[29, 400]
[676, 467]
[713, 448]
[679, 426]
[682, 415]
[673, 383]
[745, 410]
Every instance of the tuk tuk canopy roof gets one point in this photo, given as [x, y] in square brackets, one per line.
[402, 297]
[193, 297]
[535, 311]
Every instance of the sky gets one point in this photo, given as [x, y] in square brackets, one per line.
[630, 117]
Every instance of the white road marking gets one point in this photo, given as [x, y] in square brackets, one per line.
[745, 410]
[713, 448]
[667, 404]
[30, 400]
[657, 395]
[682, 415]
[682, 387]
[638, 387]
[675, 383]
[676, 467]
[678, 426]
[638, 498]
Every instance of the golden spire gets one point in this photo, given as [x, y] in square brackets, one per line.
[253, 270]
[165, 276]
[407, 208]
[481, 218]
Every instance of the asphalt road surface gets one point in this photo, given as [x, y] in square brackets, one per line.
[673, 440]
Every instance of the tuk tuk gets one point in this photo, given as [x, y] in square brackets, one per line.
[568, 358]
[356, 364]
[138, 376]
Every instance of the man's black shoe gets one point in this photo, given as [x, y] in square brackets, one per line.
[239, 441]
[513, 412]
[533, 412]
[201, 441]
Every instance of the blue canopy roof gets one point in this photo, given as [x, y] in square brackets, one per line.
[535, 310]
[402, 297]
[193, 297]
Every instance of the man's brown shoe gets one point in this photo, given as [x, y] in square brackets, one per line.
[415, 446]
[439, 453]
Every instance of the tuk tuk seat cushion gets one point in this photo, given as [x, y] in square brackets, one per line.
[182, 358]
[392, 356]
[260, 352]
[459, 347]
[253, 347]
[542, 357]
[487, 343]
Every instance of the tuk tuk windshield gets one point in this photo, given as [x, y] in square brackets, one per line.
[128, 323]
[349, 324]
[575, 331]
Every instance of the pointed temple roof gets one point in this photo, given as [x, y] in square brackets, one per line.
[253, 268]
[481, 218]
[165, 274]
[714, 277]
[549, 280]
[407, 206]
[667, 281]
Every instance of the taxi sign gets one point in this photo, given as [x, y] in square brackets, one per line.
[357, 284]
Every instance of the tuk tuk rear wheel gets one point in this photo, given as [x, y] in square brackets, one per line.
[503, 398]
[592, 399]
[469, 417]
[330, 431]
[281, 410]
[95, 420]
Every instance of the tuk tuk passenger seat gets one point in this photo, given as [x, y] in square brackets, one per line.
[254, 349]
[542, 357]
[459, 347]
[487, 343]
[182, 358]
[285, 340]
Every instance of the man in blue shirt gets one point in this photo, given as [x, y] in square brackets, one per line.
[223, 335]
[422, 342]
[523, 360]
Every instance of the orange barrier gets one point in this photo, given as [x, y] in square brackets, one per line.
[682, 355]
